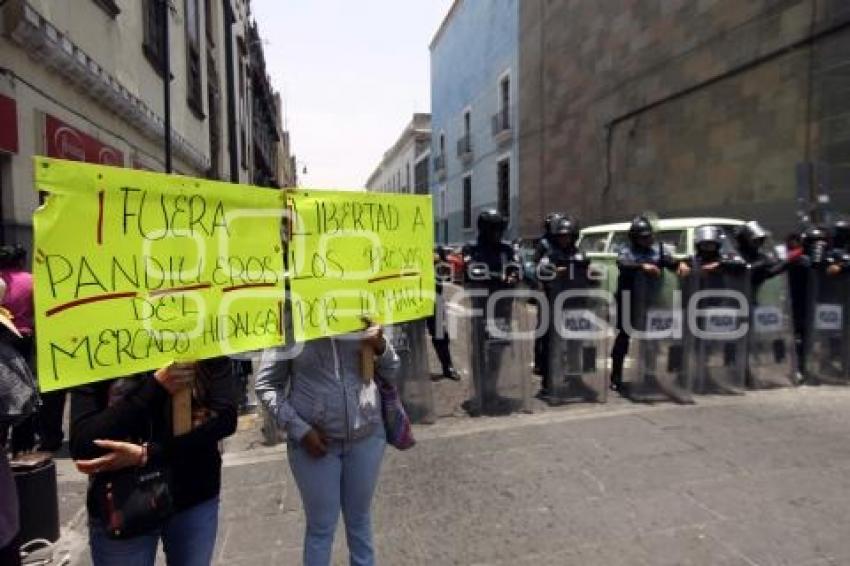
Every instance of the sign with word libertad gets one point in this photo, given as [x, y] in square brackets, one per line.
[134, 270]
[358, 255]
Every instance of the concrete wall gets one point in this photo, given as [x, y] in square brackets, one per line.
[474, 48]
[682, 107]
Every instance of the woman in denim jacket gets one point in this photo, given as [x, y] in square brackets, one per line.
[332, 416]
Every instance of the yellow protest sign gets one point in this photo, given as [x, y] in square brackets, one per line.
[358, 254]
[135, 269]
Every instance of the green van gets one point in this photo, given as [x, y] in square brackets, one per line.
[603, 243]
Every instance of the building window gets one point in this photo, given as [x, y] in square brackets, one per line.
[214, 105]
[109, 6]
[193, 58]
[407, 183]
[505, 102]
[467, 202]
[442, 144]
[504, 183]
[209, 19]
[154, 24]
[467, 123]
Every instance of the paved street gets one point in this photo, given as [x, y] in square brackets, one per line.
[755, 480]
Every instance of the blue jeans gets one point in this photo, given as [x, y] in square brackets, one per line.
[188, 539]
[345, 480]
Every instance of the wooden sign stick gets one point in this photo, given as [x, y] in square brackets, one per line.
[181, 411]
[367, 362]
[367, 357]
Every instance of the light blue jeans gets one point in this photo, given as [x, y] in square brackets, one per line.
[345, 480]
[188, 539]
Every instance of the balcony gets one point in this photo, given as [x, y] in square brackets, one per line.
[501, 122]
[440, 167]
[464, 148]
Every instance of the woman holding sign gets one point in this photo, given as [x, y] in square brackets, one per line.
[146, 483]
[332, 416]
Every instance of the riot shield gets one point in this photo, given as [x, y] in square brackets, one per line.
[651, 312]
[579, 334]
[827, 332]
[501, 350]
[410, 341]
[771, 356]
[718, 309]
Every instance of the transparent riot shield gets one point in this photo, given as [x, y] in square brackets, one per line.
[771, 356]
[501, 327]
[579, 335]
[654, 369]
[410, 341]
[717, 326]
[827, 332]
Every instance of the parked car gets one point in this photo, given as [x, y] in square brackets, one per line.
[603, 243]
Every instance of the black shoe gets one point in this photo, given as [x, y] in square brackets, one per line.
[451, 373]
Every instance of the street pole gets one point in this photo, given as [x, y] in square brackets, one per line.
[166, 81]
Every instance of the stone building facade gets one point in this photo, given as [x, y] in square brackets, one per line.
[401, 168]
[684, 107]
[82, 80]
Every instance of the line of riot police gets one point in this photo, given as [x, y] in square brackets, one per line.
[718, 322]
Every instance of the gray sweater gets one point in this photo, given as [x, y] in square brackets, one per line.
[322, 386]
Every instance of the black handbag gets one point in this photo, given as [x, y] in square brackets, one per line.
[133, 501]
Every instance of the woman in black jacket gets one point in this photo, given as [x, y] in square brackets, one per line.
[124, 426]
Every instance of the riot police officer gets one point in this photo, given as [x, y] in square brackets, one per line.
[541, 248]
[491, 260]
[720, 362]
[563, 268]
[823, 326]
[708, 256]
[492, 264]
[544, 243]
[436, 322]
[641, 256]
[750, 239]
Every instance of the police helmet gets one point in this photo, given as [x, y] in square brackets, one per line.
[566, 226]
[491, 219]
[640, 228]
[751, 234]
[708, 235]
[550, 220]
[841, 233]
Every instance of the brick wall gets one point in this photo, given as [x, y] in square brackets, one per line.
[697, 107]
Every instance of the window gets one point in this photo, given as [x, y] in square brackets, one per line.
[593, 242]
[193, 58]
[407, 184]
[619, 242]
[467, 123]
[505, 102]
[109, 6]
[214, 106]
[467, 202]
[504, 184]
[154, 24]
[442, 144]
[210, 22]
[675, 241]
